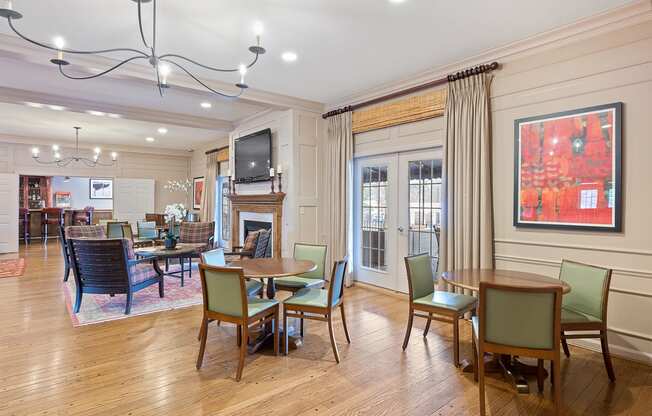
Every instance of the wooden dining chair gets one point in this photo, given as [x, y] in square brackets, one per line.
[584, 308]
[439, 305]
[314, 279]
[319, 305]
[225, 299]
[518, 320]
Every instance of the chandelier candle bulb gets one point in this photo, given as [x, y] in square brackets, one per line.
[59, 43]
[114, 156]
[35, 152]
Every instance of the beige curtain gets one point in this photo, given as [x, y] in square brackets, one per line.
[467, 227]
[340, 178]
[207, 211]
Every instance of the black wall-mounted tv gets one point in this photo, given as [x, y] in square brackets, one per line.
[253, 157]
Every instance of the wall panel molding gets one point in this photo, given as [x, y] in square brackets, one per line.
[638, 252]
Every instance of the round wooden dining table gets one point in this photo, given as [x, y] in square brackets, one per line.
[470, 279]
[270, 268]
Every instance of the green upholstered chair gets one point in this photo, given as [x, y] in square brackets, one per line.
[225, 299]
[439, 305]
[115, 229]
[319, 304]
[147, 230]
[313, 279]
[518, 320]
[584, 308]
[216, 258]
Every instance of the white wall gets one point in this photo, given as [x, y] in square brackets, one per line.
[79, 193]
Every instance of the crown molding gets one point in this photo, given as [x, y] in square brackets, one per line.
[636, 12]
[15, 48]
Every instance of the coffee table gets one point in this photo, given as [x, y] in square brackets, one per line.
[182, 252]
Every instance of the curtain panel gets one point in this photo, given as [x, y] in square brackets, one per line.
[340, 178]
[467, 223]
[207, 211]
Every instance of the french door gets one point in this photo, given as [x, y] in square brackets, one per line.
[397, 212]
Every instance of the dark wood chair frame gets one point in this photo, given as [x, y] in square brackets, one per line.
[480, 346]
[434, 314]
[601, 327]
[47, 219]
[244, 323]
[65, 251]
[319, 314]
[112, 275]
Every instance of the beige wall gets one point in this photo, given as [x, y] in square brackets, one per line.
[17, 158]
[611, 67]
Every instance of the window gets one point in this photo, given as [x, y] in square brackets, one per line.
[225, 204]
[424, 207]
[374, 211]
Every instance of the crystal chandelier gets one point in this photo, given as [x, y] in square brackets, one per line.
[162, 64]
[65, 161]
[178, 186]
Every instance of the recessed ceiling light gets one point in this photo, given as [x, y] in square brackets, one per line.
[289, 56]
[34, 105]
[162, 130]
[149, 139]
[112, 115]
[206, 104]
[56, 107]
[96, 113]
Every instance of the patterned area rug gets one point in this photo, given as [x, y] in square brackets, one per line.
[102, 308]
[12, 268]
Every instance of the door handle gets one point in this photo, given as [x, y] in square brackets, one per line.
[400, 229]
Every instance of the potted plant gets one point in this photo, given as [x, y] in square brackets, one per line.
[174, 213]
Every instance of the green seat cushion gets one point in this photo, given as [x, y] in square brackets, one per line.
[569, 316]
[446, 300]
[475, 324]
[298, 282]
[309, 297]
[257, 305]
[253, 286]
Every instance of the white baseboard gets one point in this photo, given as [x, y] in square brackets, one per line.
[615, 350]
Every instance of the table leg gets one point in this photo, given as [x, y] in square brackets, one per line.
[271, 289]
[181, 264]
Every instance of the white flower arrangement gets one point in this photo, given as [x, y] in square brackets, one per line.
[175, 213]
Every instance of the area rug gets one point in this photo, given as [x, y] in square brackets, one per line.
[12, 268]
[101, 308]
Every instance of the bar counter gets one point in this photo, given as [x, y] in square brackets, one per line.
[35, 221]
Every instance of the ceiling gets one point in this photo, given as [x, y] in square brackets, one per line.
[343, 47]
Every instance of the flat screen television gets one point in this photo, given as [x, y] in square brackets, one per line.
[253, 157]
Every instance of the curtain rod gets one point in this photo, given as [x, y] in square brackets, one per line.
[452, 77]
[208, 152]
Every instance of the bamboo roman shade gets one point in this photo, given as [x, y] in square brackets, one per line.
[223, 154]
[407, 110]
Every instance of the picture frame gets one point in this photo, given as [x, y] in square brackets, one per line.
[568, 170]
[197, 191]
[100, 188]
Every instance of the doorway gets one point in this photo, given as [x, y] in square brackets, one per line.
[397, 213]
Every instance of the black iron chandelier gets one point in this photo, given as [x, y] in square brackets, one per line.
[76, 157]
[161, 63]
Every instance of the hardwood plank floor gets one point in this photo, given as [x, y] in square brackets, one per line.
[145, 365]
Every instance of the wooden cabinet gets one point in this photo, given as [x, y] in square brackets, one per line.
[36, 192]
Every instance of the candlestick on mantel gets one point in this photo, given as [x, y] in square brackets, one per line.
[280, 180]
[279, 169]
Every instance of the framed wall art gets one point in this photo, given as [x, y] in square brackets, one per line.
[197, 192]
[100, 188]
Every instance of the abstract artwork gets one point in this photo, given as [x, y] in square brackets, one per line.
[100, 188]
[197, 192]
[568, 169]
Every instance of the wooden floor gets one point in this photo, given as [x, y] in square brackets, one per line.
[145, 365]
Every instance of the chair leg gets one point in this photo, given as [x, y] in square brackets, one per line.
[409, 329]
[332, 335]
[78, 300]
[67, 272]
[346, 331]
[606, 356]
[456, 341]
[276, 329]
[564, 344]
[540, 375]
[243, 352]
[130, 297]
[481, 383]
[203, 334]
[474, 351]
[557, 393]
[425, 331]
[285, 332]
[301, 326]
[239, 335]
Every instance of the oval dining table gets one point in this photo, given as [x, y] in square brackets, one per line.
[269, 269]
[469, 279]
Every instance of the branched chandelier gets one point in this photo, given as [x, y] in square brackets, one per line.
[161, 63]
[65, 161]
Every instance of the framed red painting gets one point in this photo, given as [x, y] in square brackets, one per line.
[568, 169]
[197, 192]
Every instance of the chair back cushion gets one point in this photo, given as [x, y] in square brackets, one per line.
[223, 290]
[114, 229]
[336, 285]
[196, 232]
[100, 263]
[85, 231]
[420, 275]
[147, 229]
[315, 254]
[214, 257]
[589, 287]
[250, 241]
[519, 318]
[264, 238]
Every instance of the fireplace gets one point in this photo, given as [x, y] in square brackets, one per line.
[256, 209]
[250, 225]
